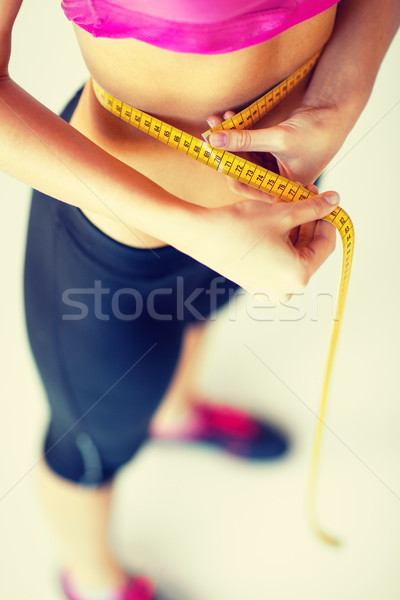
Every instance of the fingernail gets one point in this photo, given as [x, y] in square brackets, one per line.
[332, 197]
[218, 140]
[210, 123]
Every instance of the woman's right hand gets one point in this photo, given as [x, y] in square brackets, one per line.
[267, 248]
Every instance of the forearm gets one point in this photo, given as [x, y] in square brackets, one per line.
[40, 149]
[346, 72]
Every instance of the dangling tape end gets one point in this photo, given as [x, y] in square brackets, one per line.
[324, 537]
[328, 539]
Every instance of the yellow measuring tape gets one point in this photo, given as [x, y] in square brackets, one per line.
[267, 181]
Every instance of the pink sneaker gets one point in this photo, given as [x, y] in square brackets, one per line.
[138, 588]
[229, 429]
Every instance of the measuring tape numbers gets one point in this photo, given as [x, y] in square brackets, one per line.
[267, 181]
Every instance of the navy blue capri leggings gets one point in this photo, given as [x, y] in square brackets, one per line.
[105, 323]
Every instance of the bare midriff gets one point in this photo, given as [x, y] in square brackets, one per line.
[183, 90]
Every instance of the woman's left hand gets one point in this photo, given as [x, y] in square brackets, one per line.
[302, 145]
[339, 88]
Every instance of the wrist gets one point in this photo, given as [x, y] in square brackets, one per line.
[346, 71]
[168, 218]
[342, 93]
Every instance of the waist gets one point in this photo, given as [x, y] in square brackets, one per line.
[191, 87]
[184, 90]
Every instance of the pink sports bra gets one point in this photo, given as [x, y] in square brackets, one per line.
[206, 27]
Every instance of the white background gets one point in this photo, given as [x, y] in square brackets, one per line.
[206, 526]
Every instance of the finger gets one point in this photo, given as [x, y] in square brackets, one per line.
[286, 298]
[272, 139]
[305, 234]
[311, 209]
[311, 187]
[214, 120]
[249, 192]
[321, 246]
[228, 114]
[293, 235]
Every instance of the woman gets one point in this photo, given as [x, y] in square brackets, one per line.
[140, 225]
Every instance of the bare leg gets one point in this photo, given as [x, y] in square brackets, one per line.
[79, 518]
[79, 515]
